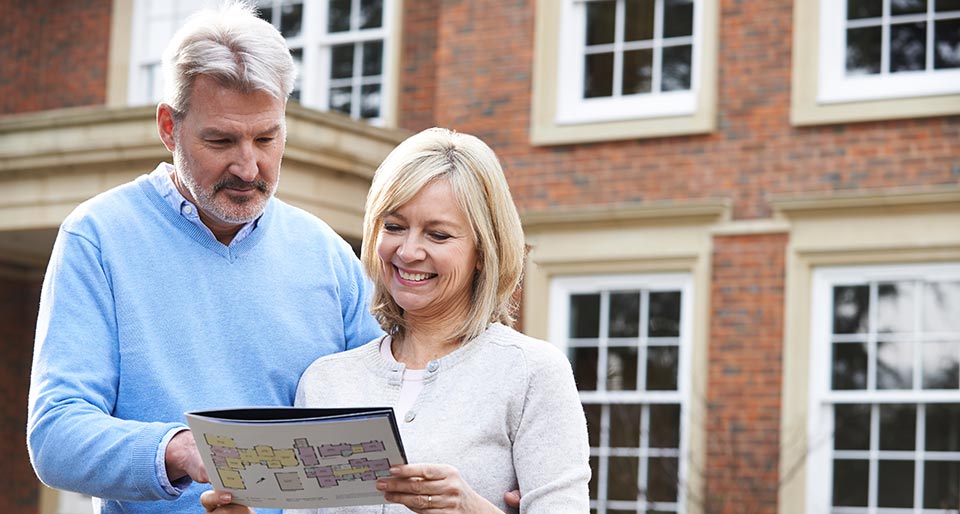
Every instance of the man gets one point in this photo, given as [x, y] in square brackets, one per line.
[189, 288]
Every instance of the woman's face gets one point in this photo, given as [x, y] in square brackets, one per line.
[429, 256]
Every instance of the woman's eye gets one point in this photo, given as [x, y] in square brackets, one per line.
[437, 236]
[390, 227]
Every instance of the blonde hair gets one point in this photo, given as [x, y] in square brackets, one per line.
[234, 47]
[481, 191]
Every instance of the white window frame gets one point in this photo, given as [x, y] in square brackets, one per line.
[145, 86]
[819, 474]
[572, 108]
[835, 86]
[561, 288]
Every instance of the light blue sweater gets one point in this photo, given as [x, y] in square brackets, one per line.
[144, 316]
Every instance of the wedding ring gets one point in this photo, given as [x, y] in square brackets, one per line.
[429, 500]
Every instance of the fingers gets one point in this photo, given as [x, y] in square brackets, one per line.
[219, 502]
[512, 498]
[424, 471]
[183, 459]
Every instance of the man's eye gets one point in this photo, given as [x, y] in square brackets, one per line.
[219, 142]
[265, 140]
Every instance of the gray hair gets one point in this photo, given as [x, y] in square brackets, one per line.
[232, 46]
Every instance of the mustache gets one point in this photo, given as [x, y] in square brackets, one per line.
[235, 183]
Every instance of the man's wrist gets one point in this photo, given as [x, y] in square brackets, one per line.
[176, 487]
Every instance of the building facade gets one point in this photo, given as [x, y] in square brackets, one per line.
[743, 218]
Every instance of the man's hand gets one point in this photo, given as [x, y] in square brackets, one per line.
[183, 459]
[512, 498]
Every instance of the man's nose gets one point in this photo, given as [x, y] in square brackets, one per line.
[244, 165]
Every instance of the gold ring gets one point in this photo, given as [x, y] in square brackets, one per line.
[429, 500]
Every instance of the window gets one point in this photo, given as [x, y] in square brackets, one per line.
[614, 62]
[858, 60]
[885, 389]
[628, 340]
[893, 48]
[341, 49]
[627, 59]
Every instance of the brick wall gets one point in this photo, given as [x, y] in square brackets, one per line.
[744, 375]
[483, 73]
[18, 314]
[53, 54]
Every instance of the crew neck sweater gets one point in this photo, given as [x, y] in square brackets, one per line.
[144, 316]
[503, 409]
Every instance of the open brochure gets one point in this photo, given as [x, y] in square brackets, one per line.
[298, 458]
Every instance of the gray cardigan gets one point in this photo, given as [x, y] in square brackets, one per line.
[503, 409]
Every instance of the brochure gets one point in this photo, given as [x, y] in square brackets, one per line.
[298, 458]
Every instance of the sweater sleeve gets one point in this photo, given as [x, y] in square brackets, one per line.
[551, 450]
[73, 441]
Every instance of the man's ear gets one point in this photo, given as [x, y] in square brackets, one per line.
[165, 126]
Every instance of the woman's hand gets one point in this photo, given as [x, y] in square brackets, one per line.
[219, 503]
[433, 488]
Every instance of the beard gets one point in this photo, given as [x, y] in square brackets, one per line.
[219, 204]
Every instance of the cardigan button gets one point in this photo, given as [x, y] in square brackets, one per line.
[433, 366]
[410, 416]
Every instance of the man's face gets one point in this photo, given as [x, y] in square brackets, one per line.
[227, 152]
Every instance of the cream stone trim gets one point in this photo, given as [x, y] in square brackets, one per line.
[545, 131]
[804, 107]
[51, 161]
[827, 230]
[118, 63]
[661, 238]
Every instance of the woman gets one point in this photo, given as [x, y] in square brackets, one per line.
[483, 409]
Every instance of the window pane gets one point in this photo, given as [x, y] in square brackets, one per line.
[372, 58]
[863, 51]
[594, 475]
[850, 308]
[625, 314]
[265, 13]
[593, 413]
[676, 68]
[598, 79]
[623, 478]
[370, 101]
[946, 44]
[664, 314]
[941, 485]
[908, 47]
[943, 427]
[898, 427]
[638, 25]
[622, 368]
[625, 426]
[662, 368]
[894, 365]
[341, 99]
[677, 18]
[637, 72]
[584, 361]
[341, 57]
[849, 366]
[662, 482]
[585, 316]
[291, 19]
[895, 307]
[941, 365]
[297, 55]
[601, 22]
[908, 6]
[941, 300]
[895, 484]
[850, 482]
[338, 16]
[947, 5]
[371, 14]
[857, 9]
[851, 427]
[664, 426]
